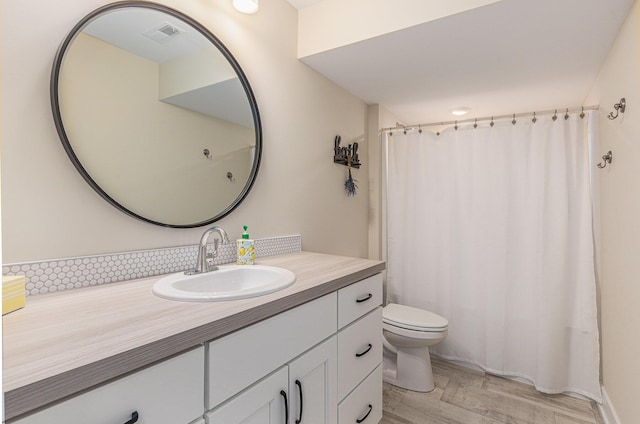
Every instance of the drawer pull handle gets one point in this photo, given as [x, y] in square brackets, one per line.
[299, 384]
[364, 299]
[286, 406]
[358, 355]
[359, 420]
[134, 418]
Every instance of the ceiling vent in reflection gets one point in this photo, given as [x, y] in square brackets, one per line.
[163, 33]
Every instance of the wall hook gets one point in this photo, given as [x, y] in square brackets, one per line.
[607, 159]
[346, 155]
[207, 153]
[619, 107]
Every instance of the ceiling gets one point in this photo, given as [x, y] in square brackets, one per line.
[507, 57]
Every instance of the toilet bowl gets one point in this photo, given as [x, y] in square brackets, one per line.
[408, 333]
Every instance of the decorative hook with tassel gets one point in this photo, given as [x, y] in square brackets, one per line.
[350, 185]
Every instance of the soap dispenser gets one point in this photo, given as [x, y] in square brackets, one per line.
[246, 249]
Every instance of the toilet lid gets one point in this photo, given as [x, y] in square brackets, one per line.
[413, 318]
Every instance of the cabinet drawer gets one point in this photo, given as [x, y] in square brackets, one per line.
[170, 392]
[364, 404]
[237, 360]
[359, 350]
[359, 298]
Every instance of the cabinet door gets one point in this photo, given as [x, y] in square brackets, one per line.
[170, 392]
[313, 385]
[262, 403]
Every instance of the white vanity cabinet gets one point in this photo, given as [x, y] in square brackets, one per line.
[321, 357]
[170, 392]
[301, 355]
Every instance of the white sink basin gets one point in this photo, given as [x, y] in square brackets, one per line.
[229, 282]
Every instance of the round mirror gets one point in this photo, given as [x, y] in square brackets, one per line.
[156, 114]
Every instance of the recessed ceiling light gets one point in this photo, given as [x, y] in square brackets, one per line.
[246, 6]
[460, 111]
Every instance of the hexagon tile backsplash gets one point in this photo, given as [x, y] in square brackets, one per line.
[71, 273]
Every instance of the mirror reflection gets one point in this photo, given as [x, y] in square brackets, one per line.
[156, 115]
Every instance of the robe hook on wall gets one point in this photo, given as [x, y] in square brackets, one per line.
[619, 107]
[346, 155]
[607, 159]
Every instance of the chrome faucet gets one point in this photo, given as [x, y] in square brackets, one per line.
[203, 264]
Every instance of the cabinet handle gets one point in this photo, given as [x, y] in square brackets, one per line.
[358, 355]
[299, 384]
[359, 420]
[286, 407]
[364, 299]
[134, 418]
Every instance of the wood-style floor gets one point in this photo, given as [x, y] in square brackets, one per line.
[467, 396]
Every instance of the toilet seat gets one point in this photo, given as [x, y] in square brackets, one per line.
[414, 319]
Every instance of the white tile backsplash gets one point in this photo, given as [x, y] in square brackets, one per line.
[70, 273]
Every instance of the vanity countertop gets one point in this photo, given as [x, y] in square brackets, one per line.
[66, 342]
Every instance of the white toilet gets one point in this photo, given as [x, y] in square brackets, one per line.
[408, 333]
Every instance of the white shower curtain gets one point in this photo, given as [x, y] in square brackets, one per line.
[492, 228]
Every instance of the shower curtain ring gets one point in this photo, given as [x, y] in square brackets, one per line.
[534, 120]
[566, 114]
[582, 115]
[555, 115]
[514, 119]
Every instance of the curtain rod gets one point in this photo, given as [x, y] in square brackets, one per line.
[564, 111]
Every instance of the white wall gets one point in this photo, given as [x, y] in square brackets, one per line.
[48, 211]
[620, 220]
[379, 117]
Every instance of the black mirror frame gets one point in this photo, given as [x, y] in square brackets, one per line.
[55, 106]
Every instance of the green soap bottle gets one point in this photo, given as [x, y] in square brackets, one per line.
[246, 249]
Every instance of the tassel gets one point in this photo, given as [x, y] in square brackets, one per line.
[350, 185]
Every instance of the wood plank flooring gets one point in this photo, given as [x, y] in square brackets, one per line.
[467, 396]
